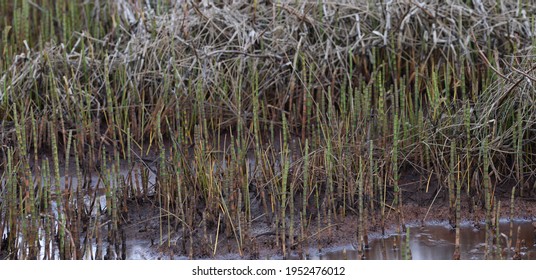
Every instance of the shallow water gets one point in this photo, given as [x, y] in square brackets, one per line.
[437, 242]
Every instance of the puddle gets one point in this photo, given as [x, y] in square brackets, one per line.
[436, 242]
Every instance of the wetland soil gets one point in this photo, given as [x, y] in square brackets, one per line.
[419, 207]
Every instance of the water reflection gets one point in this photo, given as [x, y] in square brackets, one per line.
[437, 242]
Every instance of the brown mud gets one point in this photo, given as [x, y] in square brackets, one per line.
[420, 209]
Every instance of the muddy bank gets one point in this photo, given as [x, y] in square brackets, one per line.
[163, 242]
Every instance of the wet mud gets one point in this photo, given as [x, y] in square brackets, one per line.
[433, 238]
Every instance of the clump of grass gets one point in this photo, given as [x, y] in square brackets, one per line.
[367, 92]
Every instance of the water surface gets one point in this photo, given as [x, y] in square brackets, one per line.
[436, 241]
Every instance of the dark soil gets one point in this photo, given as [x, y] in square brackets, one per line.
[261, 241]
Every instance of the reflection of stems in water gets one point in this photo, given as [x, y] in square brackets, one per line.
[517, 253]
[98, 253]
[71, 240]
[407, 251]
[383, 249]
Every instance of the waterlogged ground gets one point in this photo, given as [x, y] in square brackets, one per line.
[147, 234]
[436, 241]
[433, 241]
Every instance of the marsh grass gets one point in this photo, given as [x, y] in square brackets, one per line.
[334, 102]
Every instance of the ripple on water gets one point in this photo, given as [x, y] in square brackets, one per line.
[436, 241]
